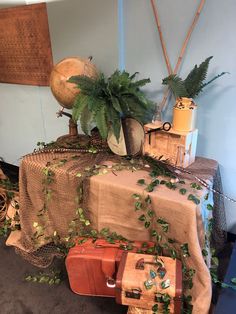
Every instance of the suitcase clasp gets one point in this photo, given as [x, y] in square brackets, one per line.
[133, 294]
[111, 283]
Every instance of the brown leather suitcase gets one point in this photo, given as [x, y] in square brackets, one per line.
[92, 267]
[143, 281]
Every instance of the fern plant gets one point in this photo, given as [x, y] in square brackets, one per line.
[194, 84]
[105, 101]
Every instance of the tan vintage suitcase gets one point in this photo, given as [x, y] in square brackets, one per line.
[145, 280]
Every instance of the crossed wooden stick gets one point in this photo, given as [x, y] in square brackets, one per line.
[162, 105]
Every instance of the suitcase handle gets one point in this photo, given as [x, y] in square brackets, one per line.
[105, 244]
[141, 263]
[108, 266]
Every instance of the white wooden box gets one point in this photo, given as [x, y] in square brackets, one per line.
[178, 147]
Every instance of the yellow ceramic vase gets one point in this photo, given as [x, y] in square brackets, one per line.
[184, 115]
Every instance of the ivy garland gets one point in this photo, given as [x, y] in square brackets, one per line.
[52, 277]
[80, 226]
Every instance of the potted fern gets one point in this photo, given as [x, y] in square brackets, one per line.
[184, 91]
[103, 102]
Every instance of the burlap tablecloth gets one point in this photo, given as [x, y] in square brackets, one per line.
[110, 204]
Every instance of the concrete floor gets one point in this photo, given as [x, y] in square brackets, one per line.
[20, 297]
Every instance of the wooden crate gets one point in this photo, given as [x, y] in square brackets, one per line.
[178, 147]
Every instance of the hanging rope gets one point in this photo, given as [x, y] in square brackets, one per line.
[183, 49]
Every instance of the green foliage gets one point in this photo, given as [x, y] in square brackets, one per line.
[52, 277]
[194, 84]
[8, 185]
[104, 101]
[176, 84]
[5, 228]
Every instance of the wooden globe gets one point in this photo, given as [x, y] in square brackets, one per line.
[63, 91]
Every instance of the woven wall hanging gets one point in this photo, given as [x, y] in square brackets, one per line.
[25, 47]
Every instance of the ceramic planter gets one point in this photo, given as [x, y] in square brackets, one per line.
[184, 114]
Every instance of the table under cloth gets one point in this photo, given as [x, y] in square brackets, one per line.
[110, 204]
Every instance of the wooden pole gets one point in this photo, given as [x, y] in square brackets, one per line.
[154, 8]
[196, 17]
[183, 49]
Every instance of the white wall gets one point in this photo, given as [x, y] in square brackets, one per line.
[213, 35]
[77, 28]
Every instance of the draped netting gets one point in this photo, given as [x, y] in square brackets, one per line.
[61, 207]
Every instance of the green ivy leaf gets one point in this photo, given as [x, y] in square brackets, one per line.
[148, 200]
[150, 188]
[159, 237]
[153, 233]
[204, 252]
[194, 199]
[183, 191]
[151, 213]
[141, 182]
[87, 223]
[154, 173]
[209, 207]
[184, 248]
[142, 217]
[28, 278]
[173, 253]
[136, 196]
[138, 206]
[155, 308]
[215, 261]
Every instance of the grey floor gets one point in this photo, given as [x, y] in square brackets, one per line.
[20, 297]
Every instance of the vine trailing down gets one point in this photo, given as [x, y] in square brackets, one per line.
[160, 174]
[104, 101]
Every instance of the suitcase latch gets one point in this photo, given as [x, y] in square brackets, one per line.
[110, 282]
[133, 294]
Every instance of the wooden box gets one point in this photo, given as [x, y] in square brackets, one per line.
[178, 147]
